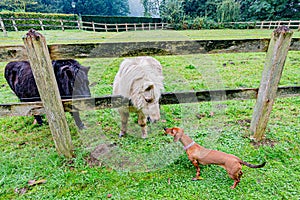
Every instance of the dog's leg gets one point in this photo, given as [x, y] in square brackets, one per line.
[236, 182]
[124, 120]
[236, 177]
[195, 163]
[143, 122]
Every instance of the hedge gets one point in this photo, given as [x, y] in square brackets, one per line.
[119, 20]
[51, 21]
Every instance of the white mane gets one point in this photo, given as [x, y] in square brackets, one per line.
[140, 69]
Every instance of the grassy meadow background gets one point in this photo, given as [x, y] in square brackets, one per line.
[157, 168]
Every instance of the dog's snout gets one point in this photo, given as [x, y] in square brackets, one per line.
[165, 129]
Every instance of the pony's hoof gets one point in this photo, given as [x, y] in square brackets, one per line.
[121, 134]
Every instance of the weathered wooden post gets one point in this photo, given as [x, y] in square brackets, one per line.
[275, 59]
[14, 24]
[78, 24]
[262, 25]
[41, 24]
[93, 26]
[42, 69]
[62, 25]
[3, 27]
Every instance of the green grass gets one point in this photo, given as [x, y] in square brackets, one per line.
[77, 36]
[157, 168]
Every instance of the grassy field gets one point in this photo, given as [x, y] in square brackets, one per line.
[76, 36]
[158, 168]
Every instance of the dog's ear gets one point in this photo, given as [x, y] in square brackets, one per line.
[178, 134]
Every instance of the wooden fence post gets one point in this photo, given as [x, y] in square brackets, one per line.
[275, 59]
[14, 24]
[93, 25]
[38, 54]
[105, 28]
[62, 25]
[78, 24]
[41, 24]
[3, 27]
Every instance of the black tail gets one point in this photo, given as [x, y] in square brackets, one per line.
[253, 166]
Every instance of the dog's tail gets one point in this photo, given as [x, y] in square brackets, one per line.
[253, 166]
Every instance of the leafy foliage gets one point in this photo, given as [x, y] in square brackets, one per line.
[85, 7]
[172, 11]
[228, 11]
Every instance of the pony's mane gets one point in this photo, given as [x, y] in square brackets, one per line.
[140, 68]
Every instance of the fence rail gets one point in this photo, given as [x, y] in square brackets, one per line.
[106, 102]
[40, 24]
[17, 24]
[122, 27]
[121, 49]
[292, 24]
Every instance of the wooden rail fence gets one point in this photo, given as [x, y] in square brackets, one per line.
[36, 47]
[100, 50]
[108, 102]
[292, 24]
[42, 24]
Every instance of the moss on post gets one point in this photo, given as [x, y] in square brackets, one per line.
[275, 59]
[42, 69]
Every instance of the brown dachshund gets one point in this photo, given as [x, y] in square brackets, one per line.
[200, 155]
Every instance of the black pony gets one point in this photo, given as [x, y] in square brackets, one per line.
[71, 78]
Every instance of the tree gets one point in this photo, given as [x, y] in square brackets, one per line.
[253, 10]
[96, 7]
[151, 7]
[201, 8]
[195, 8]
[44, 6]
[87, 7]
[228, 11]
[16, 5]
[171, 11]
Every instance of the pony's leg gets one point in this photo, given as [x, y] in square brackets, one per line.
[142, 121]
[77, 120]
[124, 114]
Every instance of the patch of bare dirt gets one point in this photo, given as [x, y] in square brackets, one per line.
[265, 142]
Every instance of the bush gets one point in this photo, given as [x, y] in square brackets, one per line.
[197, 24]
[119, 20]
